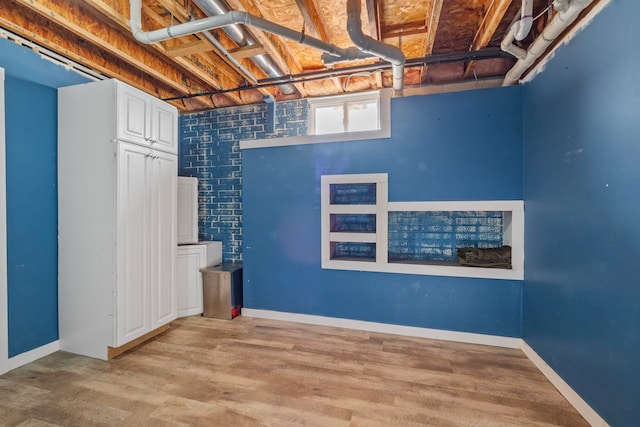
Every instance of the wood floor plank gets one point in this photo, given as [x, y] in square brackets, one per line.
[256, 372]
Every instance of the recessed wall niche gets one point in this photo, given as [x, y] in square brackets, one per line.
[361, 230]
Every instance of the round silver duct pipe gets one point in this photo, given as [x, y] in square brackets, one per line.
[242, 38]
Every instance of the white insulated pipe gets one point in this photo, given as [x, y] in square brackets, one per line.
[561, 5]
[522, 27]
[366, 45]
[219, 21]
[507, 43]
[371, 46]
[557, 25]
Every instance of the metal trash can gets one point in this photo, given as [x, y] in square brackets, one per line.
[222, 291]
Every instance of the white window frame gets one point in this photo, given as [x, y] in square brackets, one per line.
[384, 109]
[343, 101]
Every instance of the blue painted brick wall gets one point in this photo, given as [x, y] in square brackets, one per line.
[210, 151]
[435, 236]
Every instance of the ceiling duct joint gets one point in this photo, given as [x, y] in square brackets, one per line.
[368, 45]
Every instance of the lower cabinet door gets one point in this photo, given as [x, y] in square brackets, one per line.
[133, 314]
[191, 259]
[164, 168]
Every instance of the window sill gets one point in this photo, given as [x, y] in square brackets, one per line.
[314, 139]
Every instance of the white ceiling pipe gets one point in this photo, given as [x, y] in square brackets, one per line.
[523, 26]
[557, 25]
[369, 45]
[219, 21]
[561, 5]
[507, 43]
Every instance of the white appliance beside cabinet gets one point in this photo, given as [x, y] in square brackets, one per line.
[192, 258]
[192, 255]
[187, 210]
[117, 219]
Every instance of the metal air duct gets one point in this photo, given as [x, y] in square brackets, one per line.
[242, 38]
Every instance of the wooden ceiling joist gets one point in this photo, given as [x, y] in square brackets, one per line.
[432, 21]
[247, 51]
[398, 34]
[184, 49]
[434, 10]
[484, 35]
[212, 74]
[313, 19]
[316, 25]
[179, 13]
[33, 27]
[72, 17]
[217, 75]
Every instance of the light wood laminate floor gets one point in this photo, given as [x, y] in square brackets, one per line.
[252, 372]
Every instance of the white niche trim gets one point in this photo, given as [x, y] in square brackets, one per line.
[513, 231]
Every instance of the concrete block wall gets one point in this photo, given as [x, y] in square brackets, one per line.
[209, 150]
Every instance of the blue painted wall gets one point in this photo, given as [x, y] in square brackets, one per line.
[460, 146]
[32, 220]
[31, 146]
[581, 309]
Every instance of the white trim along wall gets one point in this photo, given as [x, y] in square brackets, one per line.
[589, 414]
[4, 309]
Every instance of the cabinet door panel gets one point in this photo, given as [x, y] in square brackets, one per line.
[132, 305]
[165, 127]
[187, 210]
[134, 115]
[189, 283]
[164, 237]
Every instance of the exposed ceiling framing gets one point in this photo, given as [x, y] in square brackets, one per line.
[96, 34]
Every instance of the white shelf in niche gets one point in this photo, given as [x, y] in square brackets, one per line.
[353, 237]
[513, 232]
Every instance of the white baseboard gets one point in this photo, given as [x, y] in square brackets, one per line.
[385, 328]
[30, 356]
[565, 389]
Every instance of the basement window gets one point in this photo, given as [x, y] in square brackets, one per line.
[350, 114]
[343, 118]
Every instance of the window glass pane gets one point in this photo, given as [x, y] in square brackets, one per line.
[329, 119]
[362, 115]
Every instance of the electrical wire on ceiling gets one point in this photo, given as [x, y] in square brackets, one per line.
[477, 55]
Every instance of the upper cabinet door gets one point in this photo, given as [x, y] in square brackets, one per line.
[134, 115]
[164, 127]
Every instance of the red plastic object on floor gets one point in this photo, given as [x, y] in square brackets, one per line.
[235, 312]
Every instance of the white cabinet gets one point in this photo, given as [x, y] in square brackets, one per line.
[117, 226]
[145, 120]
[192, 258]
[163, 238]
[187, 210]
